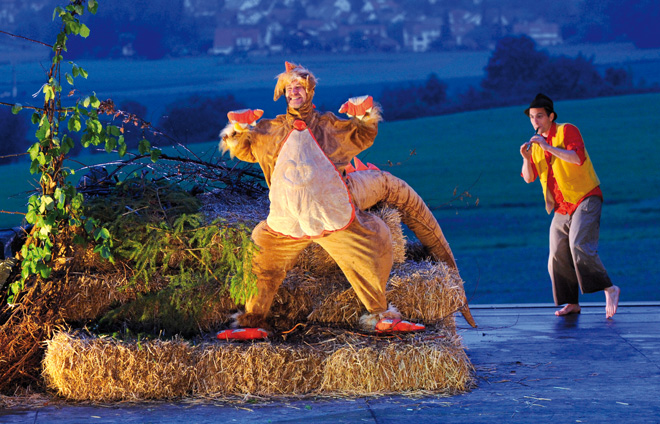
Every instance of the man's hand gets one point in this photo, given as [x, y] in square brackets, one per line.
[526, 150]
[357, 106]
[244, 118]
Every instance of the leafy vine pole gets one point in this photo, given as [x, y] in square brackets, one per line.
[56, 213]
[60, 217]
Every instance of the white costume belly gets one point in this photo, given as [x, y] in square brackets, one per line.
[308, 197]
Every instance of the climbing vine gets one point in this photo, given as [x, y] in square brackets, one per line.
[56, 212]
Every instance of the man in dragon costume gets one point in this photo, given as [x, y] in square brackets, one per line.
[317, 196]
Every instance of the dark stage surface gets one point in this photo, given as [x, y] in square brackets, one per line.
[532, 367]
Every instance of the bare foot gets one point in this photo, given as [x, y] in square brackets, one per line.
[611, 300]
[571, 308]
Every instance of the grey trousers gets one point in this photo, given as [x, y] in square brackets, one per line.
[574, 260]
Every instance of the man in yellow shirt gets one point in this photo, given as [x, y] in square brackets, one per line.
[556, 155]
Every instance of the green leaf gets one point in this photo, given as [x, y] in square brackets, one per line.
[110, 144]
[89, 226]
[44, 230]
[59, 195]
[16, 108]
[58, 10]
[114, 130]
[75, 70]
[86, 140]
[77, 201]
[122, 148]
[48, 91]
[83, 73]
[47, 204]
[84, 31]
[94, 126]
[93, 6]
[25, 272]
[74, 124]
[35, 118]
[60, 43]
[144, 146]
[104, 251]
[41, 133]
[31, 217]
[34, 151]
[72, 27]
[104, 234]
[155, 154]
[67, 144]
[44, 271]
[69, 78]
[95, 102]
[86, 102]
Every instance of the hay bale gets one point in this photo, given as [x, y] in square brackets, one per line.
[261, 369]
[392, 218]
[319, 362]
[90, 295]
[427, 291]
[85, 368]
[234, 207]
[434, 365]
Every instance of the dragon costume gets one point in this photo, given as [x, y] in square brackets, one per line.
[317, 196]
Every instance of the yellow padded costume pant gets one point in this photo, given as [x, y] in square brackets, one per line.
[363, 252]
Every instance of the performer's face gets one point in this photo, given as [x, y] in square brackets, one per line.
[295, 94]
[540, 119]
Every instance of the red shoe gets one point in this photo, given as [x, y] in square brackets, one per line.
[389, 325]
[243, 334]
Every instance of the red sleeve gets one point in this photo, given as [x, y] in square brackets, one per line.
[573, 141]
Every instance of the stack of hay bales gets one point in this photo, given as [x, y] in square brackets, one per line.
[102, 369]
[320, 354]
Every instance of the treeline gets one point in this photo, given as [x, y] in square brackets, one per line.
[515, 73]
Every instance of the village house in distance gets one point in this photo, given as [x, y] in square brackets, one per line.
[337, 26]
[267, 27]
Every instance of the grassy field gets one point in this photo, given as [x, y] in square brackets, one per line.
[501, 242]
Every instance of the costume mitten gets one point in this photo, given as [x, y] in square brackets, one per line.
[357, 106]
[240, 121]
[244, 118]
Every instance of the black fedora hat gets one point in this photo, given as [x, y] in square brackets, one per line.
[541, 100]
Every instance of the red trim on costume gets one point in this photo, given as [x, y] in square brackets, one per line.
[350, 198]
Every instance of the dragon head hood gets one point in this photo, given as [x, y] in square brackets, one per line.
[306, 78]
